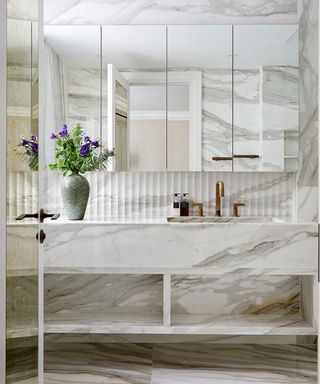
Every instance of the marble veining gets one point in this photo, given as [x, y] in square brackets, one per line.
[242, 364]
[175, 363]
[308, 170]
[218, 247]
[235, 294]
[98, 363]
[106, 298]
[173, 12]
[149, 194]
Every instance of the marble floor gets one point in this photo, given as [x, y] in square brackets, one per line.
[96, 363]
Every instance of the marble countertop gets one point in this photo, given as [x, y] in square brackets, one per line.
[191, 220]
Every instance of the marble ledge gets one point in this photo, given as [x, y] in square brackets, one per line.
[69, 270]
[208, 220]
[271, 324]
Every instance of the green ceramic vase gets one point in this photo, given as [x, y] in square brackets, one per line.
[75, 195]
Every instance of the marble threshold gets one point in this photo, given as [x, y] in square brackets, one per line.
[207, 324]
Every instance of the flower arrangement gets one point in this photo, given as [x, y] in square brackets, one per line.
[29, 150]
[78, 153]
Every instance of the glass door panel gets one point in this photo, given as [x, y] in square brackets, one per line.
[22, 203]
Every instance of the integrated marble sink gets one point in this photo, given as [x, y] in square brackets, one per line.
[226, 219]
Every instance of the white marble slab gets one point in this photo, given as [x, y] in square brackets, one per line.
[309, 73]
[193, 246]
[235, 293]
[169, 12]
[98, 363]
[226, 364]
[106, 298]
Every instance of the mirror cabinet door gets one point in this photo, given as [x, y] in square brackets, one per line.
[199, 132]
[266, 98]
[73, 88]
[134, 96]
[179, 98]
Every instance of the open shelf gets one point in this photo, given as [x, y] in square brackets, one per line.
[180, 304]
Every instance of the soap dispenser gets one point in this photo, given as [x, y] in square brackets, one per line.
[176, 204]
[184, 205]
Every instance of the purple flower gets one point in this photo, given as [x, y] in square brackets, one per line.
[95, 144]
[35, 148]
[34, 138]
[25, 142]
[85, 149]
[53, 136]
[87, 139]
[64, 130]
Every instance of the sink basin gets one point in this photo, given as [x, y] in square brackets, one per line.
[225, 219]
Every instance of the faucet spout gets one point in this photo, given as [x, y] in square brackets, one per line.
[219, 195]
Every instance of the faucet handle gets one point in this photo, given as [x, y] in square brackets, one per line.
[200, 208]
[236, 208]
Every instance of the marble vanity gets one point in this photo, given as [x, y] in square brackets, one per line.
[180, 278]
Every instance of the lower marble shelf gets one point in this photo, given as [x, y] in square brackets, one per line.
[179, 364]
[271, 324]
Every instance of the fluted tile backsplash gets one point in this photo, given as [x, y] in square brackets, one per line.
[149, 194]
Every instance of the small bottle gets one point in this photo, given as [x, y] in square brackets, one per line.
[176, 204]
[184, 205]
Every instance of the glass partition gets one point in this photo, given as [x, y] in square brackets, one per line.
[22, 199]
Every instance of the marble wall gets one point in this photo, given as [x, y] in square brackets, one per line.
[169, 12]
[150, 194]
[265, 110]
[188, 12]
[309, 74]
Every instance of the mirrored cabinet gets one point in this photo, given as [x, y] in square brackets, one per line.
[179, 98]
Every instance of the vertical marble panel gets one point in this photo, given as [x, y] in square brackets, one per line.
[84, 99]
[279, 114]
[22, 300]
[308, 170]
[247, 118]
[55, 102]
[216, 119]
[22, 354]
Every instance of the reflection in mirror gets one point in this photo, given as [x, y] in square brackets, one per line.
[266, 93]
[135, 57]
[73, 84]
[199, 97]
[22, 197]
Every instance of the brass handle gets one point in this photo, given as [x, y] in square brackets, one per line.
[222, 158]
[41, 216]
[236, 208]
[246, 156]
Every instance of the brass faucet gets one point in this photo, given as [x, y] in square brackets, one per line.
[236, 209]
[219, 194]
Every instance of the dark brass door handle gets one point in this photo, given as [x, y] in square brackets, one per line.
[41, 236]
[27, 216]
[41, 216]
